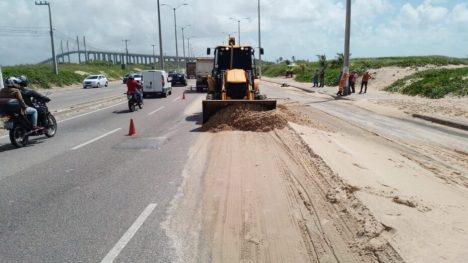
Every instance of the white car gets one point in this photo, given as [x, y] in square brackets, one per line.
[95, 81]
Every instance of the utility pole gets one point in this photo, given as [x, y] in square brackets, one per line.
[54, 58]
[346, 45]
[68, 52]
[161, 55]
[85, 50]
[259, 44]
[78, 43]
[126, 49]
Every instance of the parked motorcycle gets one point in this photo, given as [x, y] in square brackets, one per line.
[19, 126]
[134, 101]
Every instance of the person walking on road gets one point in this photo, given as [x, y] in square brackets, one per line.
[365, 79]
[316, 78]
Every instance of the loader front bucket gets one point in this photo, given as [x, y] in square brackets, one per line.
[211, 107]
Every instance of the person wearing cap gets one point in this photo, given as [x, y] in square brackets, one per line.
[12, 90]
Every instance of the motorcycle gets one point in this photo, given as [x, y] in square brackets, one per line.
[133, 101]
[19, 126]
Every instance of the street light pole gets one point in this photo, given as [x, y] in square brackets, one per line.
[183, 40]
[188, 45]
[259, 44]
[346, 45]
[54, 59]
[161, 56]
[175, 30]
[238, 26]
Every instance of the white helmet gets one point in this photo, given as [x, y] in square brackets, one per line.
[12, 82]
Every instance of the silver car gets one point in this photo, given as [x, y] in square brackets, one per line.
[95, 81]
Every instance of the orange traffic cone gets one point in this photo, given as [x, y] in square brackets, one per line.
[131, 130]
[183, 95]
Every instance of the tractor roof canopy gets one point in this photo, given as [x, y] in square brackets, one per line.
[242, 57]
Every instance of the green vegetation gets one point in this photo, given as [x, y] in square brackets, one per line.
[441, 81]
[434, 83]
[41, 76]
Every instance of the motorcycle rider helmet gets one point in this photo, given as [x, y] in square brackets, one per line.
[11, 82]
[23, 81]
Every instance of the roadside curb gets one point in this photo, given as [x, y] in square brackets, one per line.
[452, 124]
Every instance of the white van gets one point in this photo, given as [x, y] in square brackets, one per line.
[154, 82]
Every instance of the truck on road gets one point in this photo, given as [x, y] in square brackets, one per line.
[190, 70]
[203, 67]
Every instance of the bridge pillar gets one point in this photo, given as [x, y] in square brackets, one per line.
[146, 60]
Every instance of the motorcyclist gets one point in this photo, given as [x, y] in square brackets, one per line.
[134, 87]
[12, 90]
[29, 95]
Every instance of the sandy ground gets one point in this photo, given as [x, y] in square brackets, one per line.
[450, 108]
[264, 197]
[307, 187]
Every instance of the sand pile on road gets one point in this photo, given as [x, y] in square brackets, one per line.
[245, 118]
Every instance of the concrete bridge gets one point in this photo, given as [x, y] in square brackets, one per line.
[112, 57]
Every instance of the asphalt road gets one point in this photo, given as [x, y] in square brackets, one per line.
[92, 193]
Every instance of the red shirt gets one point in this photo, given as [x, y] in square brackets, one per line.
[132, 86]
[366, 76]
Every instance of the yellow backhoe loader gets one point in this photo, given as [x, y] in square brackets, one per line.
[233, 80]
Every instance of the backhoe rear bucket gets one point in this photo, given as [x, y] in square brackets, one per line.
[211, 107]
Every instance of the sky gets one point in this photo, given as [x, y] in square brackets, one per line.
[299, 28]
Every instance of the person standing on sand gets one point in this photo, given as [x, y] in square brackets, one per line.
[322, 78]
[342, 84]
[365, 79]
[352, 82]
[316, 78]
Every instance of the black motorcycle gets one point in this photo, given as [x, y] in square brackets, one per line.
[20, 127]
[134, 101]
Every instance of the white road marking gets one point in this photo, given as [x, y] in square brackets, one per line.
[77, 116]
[153, 112]
[120, 245]
[176, 99]
[91, 112]
[95, 139]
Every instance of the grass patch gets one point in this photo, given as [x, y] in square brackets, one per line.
[433, 83]
[304, 70]
[41, 76]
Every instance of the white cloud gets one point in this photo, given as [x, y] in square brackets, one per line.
[300, 28]
[460, 13]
